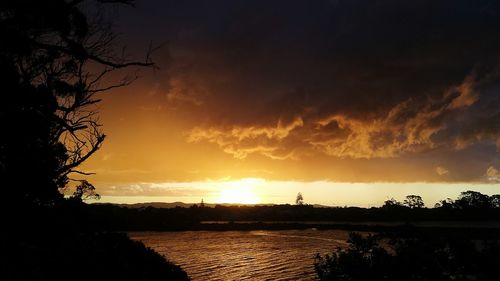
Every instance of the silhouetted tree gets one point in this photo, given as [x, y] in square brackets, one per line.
[54, 59]
[299, 200]
[447, 203]
[472, 200]
[414, 201]
[84, 191]
[391, 203]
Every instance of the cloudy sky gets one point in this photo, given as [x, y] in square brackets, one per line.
[349, 101]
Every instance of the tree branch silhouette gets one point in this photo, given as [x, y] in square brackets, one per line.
[61, 58]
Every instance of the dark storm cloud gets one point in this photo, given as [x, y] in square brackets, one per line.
[354, 78]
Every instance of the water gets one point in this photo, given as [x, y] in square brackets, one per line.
[245, 255]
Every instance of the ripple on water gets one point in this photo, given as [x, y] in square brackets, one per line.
[244, 255]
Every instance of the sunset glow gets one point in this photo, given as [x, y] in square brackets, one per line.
[237, 195]
[260, 191]
[341, 111]
[250, 140]
[241, 191]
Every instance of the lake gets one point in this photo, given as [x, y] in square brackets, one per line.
[245, 255]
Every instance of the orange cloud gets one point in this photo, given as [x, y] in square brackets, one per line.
[466, 94]
[492, 174]
[441, 171]
[242, 141]
[407, 127]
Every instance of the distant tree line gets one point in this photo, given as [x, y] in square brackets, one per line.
[466, 200]
[411, 201]
[470, 205]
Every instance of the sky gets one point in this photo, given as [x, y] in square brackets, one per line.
[349, 102]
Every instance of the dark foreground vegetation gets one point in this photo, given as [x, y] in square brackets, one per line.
[54, 55]
[412, 255]
[58, 243]
[81, 256]
[423, 253]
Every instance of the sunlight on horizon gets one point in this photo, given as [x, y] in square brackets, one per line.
[262, 191]
[240, 191]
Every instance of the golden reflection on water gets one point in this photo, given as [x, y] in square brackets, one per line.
[245, 255]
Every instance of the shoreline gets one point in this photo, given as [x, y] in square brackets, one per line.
[455, 231]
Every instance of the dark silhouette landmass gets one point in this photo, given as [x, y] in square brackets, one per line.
[53, 60]
[471, 208]
[411, 254]
[82, 256]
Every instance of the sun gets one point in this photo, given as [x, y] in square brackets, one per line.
[239, 192]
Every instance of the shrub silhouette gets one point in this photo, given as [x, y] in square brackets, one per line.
[411, 257]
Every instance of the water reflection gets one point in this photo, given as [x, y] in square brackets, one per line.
[245, 255]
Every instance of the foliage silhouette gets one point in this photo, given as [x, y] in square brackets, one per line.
[54, 59]
[413, 201]
[473, 200]
[411, 257]
[299, 200]
[391, 202]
